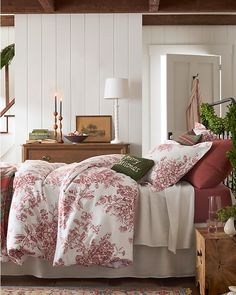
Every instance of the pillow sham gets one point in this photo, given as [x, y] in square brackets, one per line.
[172, 162]
[188, 138]
[132, 166]
[207, 135]
[213, 168]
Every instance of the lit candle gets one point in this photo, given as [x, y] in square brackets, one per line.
[55, 102]
[60, 106]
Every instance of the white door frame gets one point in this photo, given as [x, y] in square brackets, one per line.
[151, 115]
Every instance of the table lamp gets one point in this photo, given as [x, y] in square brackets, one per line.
[116, 88]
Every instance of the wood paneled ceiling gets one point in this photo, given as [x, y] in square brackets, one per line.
[155, 12]
[120, 6]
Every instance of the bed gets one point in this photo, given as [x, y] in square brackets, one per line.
[158, 236]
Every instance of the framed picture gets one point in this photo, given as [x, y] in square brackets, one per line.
[97, 127]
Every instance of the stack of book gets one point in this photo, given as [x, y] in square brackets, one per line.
[39, 134]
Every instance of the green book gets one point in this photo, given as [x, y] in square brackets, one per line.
[33, 136]
[40, 131]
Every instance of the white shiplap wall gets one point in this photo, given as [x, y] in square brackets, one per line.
[184, 35]
[74, 54]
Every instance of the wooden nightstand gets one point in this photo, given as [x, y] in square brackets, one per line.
[69, 153]
[215, 261]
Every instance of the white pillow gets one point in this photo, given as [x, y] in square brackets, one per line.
[170, 141]
[172, 162]
[207, 135]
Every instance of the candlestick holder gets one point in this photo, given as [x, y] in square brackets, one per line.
[60, 127]
[55, 126]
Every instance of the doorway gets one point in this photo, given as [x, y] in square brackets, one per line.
[153, 124]
[176, 84]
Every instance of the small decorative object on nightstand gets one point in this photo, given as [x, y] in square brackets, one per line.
[215, 261]
[214, 206]
[229, 227]
[60, 125]
[55, 113]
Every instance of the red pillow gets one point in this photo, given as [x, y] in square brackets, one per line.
[213, 167]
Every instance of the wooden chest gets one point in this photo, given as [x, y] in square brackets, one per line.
[215, 262]
[69, 153]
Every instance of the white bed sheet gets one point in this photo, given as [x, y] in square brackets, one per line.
[165, 218]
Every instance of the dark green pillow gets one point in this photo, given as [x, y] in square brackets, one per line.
[134, 167]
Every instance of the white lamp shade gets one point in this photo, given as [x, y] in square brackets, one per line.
[116, 88]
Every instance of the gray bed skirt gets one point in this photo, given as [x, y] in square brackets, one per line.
[148, 262]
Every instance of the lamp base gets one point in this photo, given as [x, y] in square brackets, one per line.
[116, 141]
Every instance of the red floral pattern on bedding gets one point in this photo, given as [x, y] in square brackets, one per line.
[172, 162]
[41, 235]
[207, 135]
[162, 176]
[81, 213]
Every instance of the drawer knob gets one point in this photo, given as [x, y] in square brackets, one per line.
[46, 158]
[199, 253]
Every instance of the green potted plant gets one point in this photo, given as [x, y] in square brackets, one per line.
[225, 213]
[228, 215]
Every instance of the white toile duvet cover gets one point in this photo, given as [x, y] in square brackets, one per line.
[81, 213]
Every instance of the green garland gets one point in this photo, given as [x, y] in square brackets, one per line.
[219, 125]
[232, 123]
[7, 55]
[216, 124]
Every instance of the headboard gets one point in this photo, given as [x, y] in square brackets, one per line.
[230, 181]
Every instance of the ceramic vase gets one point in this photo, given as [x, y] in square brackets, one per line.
[229, 227]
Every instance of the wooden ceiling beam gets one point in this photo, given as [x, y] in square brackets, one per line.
[194, 6]
[101, 6]
[120, 6]
[16, 6]
[47, 5]
[188, 19]
[22, 10]
[74, 6]
[154, 5]
[7, 21]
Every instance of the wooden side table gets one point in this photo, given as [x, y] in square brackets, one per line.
[69, 153]
[215, 261]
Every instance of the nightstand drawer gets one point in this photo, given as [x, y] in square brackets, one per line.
[53, 155]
